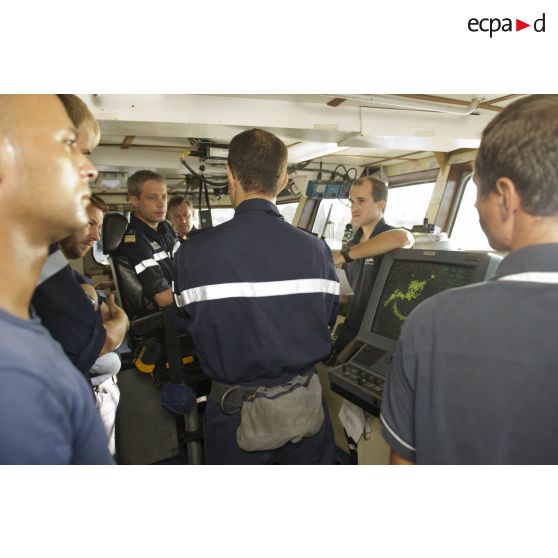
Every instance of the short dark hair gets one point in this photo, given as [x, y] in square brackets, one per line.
[379, 188]
[97, 201]
[135, 182]
[258, 159]
[521, 143]
[175, 201]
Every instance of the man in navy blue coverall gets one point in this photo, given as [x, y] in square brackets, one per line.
[260, 295]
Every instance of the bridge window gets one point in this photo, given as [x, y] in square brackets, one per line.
[407, 205]
[288, 210]
[466, 233]
[221, 214]
[98, 254]
[337, 213]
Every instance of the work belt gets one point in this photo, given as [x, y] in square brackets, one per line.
[231, 397]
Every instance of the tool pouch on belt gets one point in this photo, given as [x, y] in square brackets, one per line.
[273, 416]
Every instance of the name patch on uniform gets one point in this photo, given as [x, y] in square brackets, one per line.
[369, 261]
[155, 245]
[129, 238]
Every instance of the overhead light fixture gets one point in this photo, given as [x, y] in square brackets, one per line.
[307, 150]
[111, 180]
[217, 152]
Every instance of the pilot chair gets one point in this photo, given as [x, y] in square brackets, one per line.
[158, 410]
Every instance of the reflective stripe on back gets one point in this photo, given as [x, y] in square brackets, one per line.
[254, 290]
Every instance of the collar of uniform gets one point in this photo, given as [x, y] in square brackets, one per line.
[538, 257]
[377, 230]
[138, 224]
[257, 204]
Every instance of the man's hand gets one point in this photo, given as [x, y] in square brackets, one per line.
[338, 258]
[164, 298]
[114, 309]
[115, 322]
[380, 244]
[106, 285]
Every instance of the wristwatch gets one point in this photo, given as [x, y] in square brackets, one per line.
[345, 254]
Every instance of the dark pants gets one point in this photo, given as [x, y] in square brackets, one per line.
[221, 448]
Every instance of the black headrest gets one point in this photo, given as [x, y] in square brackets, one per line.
[114, 227]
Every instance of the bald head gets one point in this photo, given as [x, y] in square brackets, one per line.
[43, 175]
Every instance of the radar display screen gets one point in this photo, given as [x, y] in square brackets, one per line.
[407, 285]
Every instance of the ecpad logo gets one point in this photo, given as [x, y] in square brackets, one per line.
[493, 25]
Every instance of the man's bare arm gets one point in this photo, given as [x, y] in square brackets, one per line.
[164, 298]
[384, 242]
[115, 322]
[396, 459]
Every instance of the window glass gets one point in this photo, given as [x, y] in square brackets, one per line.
[98, 255]
[407, 205]
[288, 210]
[221, 214]
[339, 216]
[467, 233]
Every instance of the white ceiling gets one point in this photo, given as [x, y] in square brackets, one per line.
[160, 127]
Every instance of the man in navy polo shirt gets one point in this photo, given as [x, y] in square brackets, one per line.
[84, 330]
[474, 377]
[362, 257]
[150, 242]
[47, 414]
[260, 295]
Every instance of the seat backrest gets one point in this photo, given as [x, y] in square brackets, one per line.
[128, 287]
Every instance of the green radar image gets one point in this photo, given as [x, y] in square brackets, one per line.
[413, 292]
[407, 285]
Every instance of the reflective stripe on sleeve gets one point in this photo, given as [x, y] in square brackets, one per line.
[54, 263]
[254, 290]
[142, 266]
[175, 247]
[160, 256]
[390, 430]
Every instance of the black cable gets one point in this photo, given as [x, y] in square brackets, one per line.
[206, 194]
[200, 195]
[202, 177]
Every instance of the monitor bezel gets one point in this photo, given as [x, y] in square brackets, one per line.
[484, 264]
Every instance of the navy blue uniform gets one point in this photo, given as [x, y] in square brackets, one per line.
[67, 312]
[150, 252]
[261, 295]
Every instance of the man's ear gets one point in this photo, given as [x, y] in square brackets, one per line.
[133, 201]
[509, 200]
[382, 205]
[284, 182]
[230, 177]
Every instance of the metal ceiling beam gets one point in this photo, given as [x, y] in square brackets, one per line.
[446, 100]
[127, 142]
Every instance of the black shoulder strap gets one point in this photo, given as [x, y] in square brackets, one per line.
[173, 345]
